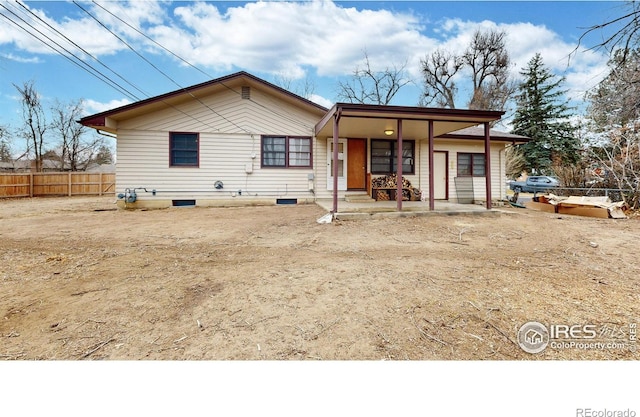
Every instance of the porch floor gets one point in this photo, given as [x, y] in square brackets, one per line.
[353, 210]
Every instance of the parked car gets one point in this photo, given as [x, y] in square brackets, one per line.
[534, 184]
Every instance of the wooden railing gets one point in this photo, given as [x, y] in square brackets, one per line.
[56, 184]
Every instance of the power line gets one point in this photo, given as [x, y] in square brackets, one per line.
[158, 69]
[85, 51]
[195, 67]
[69, 55]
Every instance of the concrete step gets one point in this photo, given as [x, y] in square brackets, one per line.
[358, 197]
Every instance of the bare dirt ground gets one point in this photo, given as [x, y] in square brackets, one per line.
[81, 280]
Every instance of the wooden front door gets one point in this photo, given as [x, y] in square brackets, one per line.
[356, 164]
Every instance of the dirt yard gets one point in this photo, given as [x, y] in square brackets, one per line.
[82, 280]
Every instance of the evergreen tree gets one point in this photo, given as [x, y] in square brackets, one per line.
[542, 115]
[103, 156]
[5, 150]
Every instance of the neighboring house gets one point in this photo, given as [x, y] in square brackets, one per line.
[241, 140]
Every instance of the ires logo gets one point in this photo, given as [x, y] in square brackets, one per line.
[534, 337]
[577, 331]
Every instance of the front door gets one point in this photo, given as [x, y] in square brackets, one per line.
[440, 189]
[342, 164]
[356, 164]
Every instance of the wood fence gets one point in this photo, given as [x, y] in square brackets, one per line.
[56, 184]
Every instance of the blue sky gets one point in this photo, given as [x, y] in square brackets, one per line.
[318, 42]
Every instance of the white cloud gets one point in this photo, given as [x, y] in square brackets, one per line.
[298, 39]
[22, 60]
[92, 106]
[290, 38]
[321, 100]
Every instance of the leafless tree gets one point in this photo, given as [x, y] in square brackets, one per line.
[627, 35]
[35, 124]
[514, 161]
[304, 88]
[76, 150]
[488, 62]
[368, 86]
[439, 70]
[614, 115]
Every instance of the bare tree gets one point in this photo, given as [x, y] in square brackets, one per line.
[439, 70]
[76, 150]
[614, 114]
[368, 86]
[35, 124]
[304, 88]
[627, 35]
[488, 62]
[515, 162]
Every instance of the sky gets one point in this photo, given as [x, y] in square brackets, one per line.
[292, 44]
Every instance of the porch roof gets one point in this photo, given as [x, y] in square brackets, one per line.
[366, 120]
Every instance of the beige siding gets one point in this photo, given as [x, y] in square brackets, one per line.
[479, 185]
[229, 150]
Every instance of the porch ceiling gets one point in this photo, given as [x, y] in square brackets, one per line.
[369, 121]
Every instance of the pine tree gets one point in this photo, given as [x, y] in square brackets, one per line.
[5, 150]
[542, 115]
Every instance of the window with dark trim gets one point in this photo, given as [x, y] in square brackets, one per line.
[384, 156]
[286, 152]
[184, 149]
[471, 165]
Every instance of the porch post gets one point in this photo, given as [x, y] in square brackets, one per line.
[399, 167]
[487, 163]
[432, 201]
[336, 120]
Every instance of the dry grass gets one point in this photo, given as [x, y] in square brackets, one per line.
[82, 281]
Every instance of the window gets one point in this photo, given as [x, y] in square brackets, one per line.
[384, 156]
[471, 165]
[184, 150]
[286, 152]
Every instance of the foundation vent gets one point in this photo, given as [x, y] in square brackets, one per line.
[246, 92]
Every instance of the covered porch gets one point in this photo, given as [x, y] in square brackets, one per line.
[396, 124]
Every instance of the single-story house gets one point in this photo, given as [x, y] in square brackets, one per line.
[240, 140]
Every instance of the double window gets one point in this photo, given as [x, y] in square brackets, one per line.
[471, 165]
[286, 152]
[184, 149]
[384, 156]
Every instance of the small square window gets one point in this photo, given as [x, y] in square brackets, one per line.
[184, 150]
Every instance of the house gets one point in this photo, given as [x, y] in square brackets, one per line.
[240, 140]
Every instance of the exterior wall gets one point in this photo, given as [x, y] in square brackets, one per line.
[232, 157]
[421, 177]
[498, 188]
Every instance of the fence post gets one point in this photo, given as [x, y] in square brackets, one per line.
[100, 191]
[69, 184]
[31, 185]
